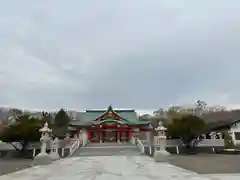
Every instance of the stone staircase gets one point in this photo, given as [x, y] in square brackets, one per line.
[108, 149]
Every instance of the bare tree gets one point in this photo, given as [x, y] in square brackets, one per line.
[200, 106]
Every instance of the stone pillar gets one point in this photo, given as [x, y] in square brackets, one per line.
[85, 138]
[220, 135]
[148, 134]
[233, 138]
[213, 135]
[43, 145]
[75, 135]
[161, 155]
[134, 140]
[67, 138]
[54, 153]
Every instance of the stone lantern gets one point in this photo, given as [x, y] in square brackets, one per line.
[43, 157]
[160, 154]
[44, 138]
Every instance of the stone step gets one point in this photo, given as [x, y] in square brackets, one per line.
[113, 148]
[110, 147]
[107, 151]
[109, 144]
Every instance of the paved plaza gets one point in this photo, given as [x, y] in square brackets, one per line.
[208, 163]
[224, 176]
[106, 167]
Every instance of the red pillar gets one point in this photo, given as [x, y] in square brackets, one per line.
[118, 133]
[129, 134]
[100, 133]
[100, 136]
[89, 135]
[118, 136]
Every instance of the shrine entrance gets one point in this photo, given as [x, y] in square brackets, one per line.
[110, 132]
[110, 135]
[125, 136]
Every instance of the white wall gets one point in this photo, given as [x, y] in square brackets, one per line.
[235, 128]
[203, 143]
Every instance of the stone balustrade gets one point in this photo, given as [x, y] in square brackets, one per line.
[74, 147]
[140, 145]
[212, 140]
[83, 137]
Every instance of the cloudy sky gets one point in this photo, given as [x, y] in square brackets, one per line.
[137, 54]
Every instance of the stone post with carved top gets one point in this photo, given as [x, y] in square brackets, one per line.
[160, 154]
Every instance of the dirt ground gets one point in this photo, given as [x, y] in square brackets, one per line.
[13, 165]
[208, 164]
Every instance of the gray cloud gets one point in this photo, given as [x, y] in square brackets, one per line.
[133, 54]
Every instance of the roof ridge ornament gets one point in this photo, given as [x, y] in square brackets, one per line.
[110, 107]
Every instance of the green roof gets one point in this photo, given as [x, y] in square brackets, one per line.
[90, 117]
[128, 115]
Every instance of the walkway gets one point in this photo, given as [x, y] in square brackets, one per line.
[106, 167]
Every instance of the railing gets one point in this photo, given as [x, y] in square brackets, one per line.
[202, 143]
[74, 147]
[211, 142]
[83, 142]
[140, 145]
[144, 141]
[34, 152]
[68, 150]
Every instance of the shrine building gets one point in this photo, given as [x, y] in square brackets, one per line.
[110, 125]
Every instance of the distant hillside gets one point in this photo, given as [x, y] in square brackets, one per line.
[210, 118]
[5, 113]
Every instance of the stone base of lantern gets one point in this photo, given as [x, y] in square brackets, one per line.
[161, 156]
[54, 155]
[42, 159]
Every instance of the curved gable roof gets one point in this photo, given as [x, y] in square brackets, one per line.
[125, 115]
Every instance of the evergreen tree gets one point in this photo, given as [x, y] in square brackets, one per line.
[188, 129]
[60, 125]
